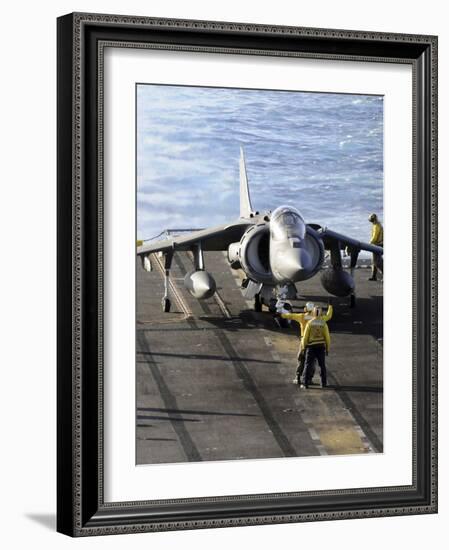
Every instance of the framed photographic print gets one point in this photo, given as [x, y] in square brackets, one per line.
[246, 274]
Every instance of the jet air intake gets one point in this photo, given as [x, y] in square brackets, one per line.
[278, 250]
[200, 284]
[252, 253]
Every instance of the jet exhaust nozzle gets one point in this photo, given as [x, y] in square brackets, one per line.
[200, 284]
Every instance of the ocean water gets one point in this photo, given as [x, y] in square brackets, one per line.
[320, 152]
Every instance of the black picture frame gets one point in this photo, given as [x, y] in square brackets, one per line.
[81, 509]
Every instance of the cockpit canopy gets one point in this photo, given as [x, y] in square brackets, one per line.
[287, 223]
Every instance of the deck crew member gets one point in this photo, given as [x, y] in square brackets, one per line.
[316, 343]
[302, 319]
[377, 238]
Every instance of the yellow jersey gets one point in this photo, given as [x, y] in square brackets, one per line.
[317, 332]
[377, 234]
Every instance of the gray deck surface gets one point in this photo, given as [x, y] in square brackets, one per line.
[214, 378]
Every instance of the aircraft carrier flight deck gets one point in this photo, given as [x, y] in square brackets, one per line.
[214, 377]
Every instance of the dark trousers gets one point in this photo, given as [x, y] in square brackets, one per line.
[317, 352]
[376, 264]
[301, 364]
[300, 367]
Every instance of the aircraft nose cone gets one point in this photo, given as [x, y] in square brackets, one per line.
[295, 263]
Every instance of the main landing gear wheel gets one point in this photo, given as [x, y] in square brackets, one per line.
[352, 300]
[280, 322]
[257, 303]
[283, 323]
[166, 304]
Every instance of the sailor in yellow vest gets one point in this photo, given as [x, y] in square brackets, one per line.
[302, 319]
[316, 343]
[377, 238]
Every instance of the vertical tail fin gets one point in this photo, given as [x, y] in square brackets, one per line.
[245, 200]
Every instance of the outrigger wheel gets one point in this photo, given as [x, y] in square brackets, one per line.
[166, 304]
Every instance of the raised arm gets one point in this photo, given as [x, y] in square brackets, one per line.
[328, 315]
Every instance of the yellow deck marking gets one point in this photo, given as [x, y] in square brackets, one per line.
[342, 440]
[321, 409]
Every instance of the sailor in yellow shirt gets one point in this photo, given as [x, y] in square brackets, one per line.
[377, 238]
[316, 343]
[302, 319]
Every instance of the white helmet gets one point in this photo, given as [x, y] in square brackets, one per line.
[310, 306]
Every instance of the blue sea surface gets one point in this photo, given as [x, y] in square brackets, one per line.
[321, 152]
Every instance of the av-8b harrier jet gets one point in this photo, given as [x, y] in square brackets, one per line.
[275, 250]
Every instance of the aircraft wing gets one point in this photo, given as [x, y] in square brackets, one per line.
[215, 238]
[328, 236]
